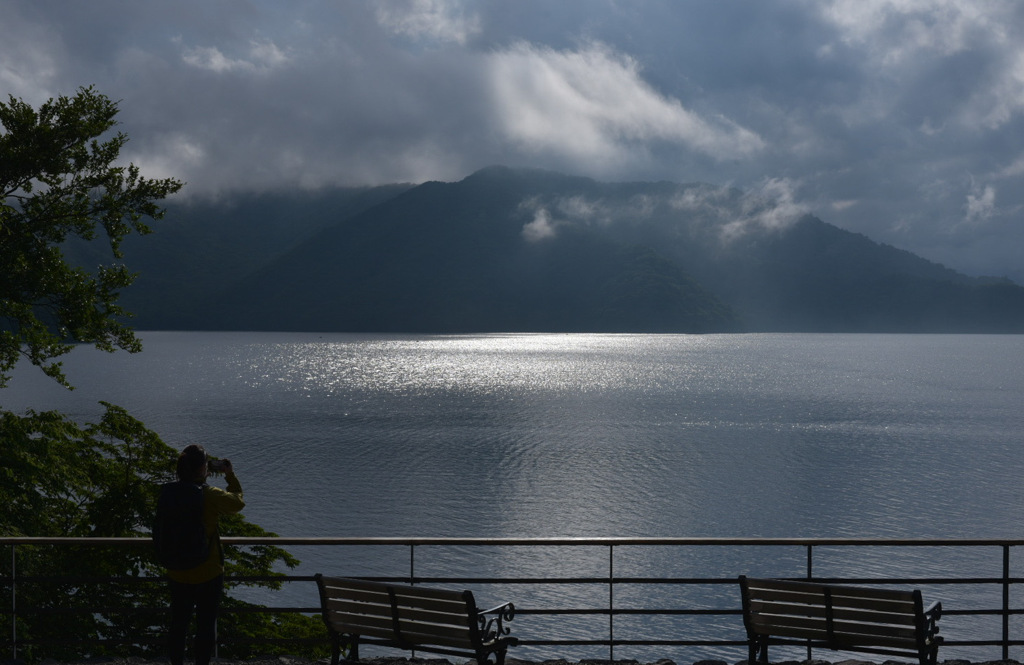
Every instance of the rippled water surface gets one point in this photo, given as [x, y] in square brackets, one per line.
[587, 435]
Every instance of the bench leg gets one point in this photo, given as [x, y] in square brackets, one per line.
[335, 649]
[483, 657]
[758, 651]
[348, 641]
[353, 648]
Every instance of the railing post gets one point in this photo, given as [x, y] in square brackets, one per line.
[412, 563]
[611, 602]
[14, 609]
[810, 575]
[1006, 602]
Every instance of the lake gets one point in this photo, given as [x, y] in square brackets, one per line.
[533, 435]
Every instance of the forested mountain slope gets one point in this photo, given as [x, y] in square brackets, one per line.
[527, 250]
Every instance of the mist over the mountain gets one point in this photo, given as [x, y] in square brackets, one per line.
[528, 250]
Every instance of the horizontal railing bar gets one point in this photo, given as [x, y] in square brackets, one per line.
[581, 611]
[622, 611]
[645, 580]
[727, 643]
[86, 610]
[681, 643]
[278, 640]
[689, 581]
[604, 643]
[534, 542]
[526, 581]
[260, 609]
[68, 641]
[522, 642]
[539, 611]
[981, 643]
[158, 610]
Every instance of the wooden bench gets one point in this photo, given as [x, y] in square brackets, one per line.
[842, 618]
[413, 618]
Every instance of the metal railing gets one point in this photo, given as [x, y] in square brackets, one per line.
[623, 594]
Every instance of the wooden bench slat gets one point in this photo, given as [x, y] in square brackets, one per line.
[845, 642]
[411, 634]
[352, 622]
[448, 604]
[862, 615]
[816, 630]
[859, 616]
[796, 632]
[427, 638]
[882, 616]
[353, 614]
[361, 606]
[359, 619]
[767, 626]
[856, 639]
[851, 603]
[441, 612]
[451, 629]
[362, 628]
[429, 593]
[445, 627]
[361, 595]
[354, 587]
[755, 585]
[770, 625]
[873, 630]
[803, 597]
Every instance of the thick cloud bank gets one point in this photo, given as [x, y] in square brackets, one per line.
[901, 119]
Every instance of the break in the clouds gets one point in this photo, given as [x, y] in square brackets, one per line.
[900, 119]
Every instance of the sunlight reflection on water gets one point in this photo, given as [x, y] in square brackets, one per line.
[590, 434]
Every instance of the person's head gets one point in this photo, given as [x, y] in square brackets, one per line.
[192, 463]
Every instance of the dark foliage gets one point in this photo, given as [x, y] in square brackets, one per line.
[60, 191]
[58, 182]
[62, 479]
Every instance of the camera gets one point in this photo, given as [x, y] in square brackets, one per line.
[217, 465]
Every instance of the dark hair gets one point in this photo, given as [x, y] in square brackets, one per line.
[190, 462]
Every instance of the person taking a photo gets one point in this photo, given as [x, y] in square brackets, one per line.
[188, 544]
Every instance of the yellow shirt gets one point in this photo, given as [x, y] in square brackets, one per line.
[216, 502]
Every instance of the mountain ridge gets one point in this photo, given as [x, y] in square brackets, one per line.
[507, 250]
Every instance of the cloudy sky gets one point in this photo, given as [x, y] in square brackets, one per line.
[899, 119]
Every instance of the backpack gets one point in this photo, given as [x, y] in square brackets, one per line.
[178, 531]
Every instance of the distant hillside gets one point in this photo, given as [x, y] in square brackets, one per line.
[453, 258]
[527, 250]
[201, 248]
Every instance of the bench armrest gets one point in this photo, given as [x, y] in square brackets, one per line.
[931, 617]
[492, 622]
